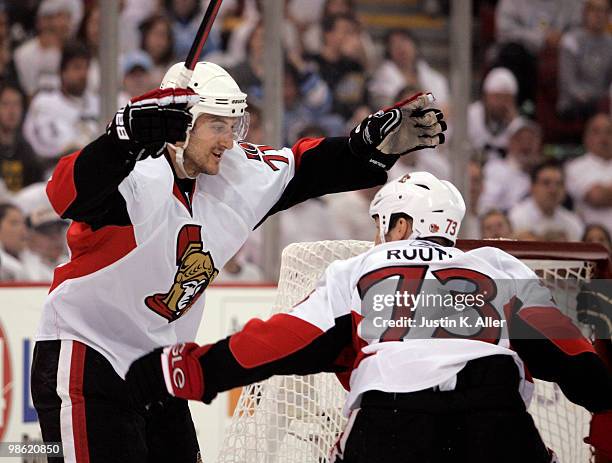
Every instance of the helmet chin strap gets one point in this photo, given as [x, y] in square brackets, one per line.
[180, 158]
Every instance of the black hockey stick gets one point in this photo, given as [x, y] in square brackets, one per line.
[198, 42]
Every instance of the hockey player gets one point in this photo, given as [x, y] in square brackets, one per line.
[416, 394]
[159, 203]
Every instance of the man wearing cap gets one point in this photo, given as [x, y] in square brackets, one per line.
[136, 67]
[490, 118]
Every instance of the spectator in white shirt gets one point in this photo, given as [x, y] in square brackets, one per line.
[492, 118]
[541, 214]
[595, 233]
[589, 177]
[38, 60]
[507, 181]
[64, 120]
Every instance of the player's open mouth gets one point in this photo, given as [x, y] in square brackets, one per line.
[217, 155]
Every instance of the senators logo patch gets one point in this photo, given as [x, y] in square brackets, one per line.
[196, 270]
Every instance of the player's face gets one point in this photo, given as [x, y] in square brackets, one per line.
[209, 139]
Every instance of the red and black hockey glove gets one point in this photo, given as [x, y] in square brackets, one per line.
[382, 137]
[169, 371]
[148, 121]
[600, 434]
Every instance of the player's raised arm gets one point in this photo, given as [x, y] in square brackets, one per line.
[84, 184]
[335, 164]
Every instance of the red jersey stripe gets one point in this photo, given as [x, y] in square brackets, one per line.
[79, 423]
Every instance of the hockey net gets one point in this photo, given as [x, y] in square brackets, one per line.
[298, 418]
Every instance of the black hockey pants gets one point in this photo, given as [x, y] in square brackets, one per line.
[483, 420]
[83, 403]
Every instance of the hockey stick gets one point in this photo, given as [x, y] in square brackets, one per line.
[198, 43]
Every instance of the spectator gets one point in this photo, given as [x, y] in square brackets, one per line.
[495, 225]
[524, 28]
[338, 68]
[589, 177]
[46, 244]
[137, 78]
[470, 227]
[13, 236]
[158, 41]
[404, 66]
[185, 16]
[38, 60]
[541, 214]
[507, 181]
[585, 63]
[18, 164]
[492, 118]
[595, 233]
[64, 120]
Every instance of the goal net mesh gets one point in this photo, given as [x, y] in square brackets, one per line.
[298, 418]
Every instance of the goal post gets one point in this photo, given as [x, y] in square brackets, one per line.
[298, 418]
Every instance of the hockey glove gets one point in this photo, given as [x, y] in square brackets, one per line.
[594, 307]
[169, 371]
[382, 137]
[600, 432]
[148, 121]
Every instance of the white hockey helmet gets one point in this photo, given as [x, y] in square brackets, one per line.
[435, 206]
[219, 93]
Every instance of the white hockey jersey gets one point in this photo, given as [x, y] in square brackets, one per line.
[406, 340]
[143, 288]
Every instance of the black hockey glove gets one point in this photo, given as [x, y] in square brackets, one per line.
[594, 307]
[382, 137]
[148, 121]
[181, 376]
